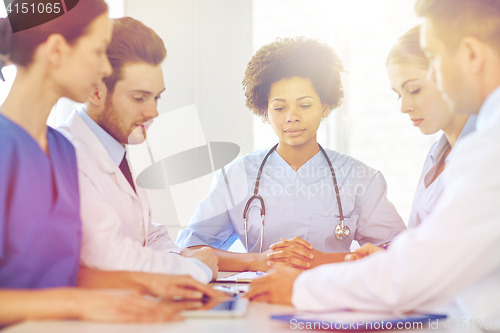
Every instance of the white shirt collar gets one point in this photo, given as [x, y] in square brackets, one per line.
[442, 145]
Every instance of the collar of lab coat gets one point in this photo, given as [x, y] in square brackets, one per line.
[76, 127]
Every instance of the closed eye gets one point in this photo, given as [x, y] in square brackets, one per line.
[416, 91]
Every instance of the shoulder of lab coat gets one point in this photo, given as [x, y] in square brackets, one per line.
[104, 244]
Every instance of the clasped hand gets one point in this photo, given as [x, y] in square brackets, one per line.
[294, 252]
[299, 254]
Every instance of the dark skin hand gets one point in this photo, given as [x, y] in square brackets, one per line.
[298, 253]
[294, 252]
[240, 262]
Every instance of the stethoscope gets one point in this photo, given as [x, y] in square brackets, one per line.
[341, 231]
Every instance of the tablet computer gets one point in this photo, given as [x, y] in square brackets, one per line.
[234, 307]
[359, 321]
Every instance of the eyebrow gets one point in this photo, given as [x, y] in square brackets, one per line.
[298, 99]
[145, 91]
[404, 83]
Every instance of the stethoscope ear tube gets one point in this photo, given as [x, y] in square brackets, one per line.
[262, 214]
[341, 231]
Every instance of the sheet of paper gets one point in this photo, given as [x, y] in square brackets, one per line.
[242, 277]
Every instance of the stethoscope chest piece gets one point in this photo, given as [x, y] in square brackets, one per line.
[342, 231]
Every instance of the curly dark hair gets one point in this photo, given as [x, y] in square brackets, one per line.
[293, 57]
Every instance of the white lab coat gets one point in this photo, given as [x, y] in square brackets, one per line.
[427, 194]
[454, 253]
[117, 229]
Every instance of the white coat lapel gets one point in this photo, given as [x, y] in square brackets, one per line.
[77, 127]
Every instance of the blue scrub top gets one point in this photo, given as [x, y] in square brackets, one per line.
[299, 203]
[40, 226]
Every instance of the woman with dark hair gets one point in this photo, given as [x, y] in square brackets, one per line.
[40, 227]
[295, 203]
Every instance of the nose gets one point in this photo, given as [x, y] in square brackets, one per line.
[151, 110]
[406, 106]
[293, 115]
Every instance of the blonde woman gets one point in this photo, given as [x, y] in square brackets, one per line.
[427, 110]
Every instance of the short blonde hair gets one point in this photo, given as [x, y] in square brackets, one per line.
[407, 51]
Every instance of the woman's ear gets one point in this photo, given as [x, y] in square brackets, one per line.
[266, 117]
[54, 48]
[326, 110]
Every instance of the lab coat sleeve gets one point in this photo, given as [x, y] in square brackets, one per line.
[104, 248]
[211, 224]
[456, 248]
[379, 221]
[159, 239]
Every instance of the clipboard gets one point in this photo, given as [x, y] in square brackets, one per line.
[346, 320]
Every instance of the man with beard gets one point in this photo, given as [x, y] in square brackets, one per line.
[118, 234]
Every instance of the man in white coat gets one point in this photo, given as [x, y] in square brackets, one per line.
[118, 233]
[455, 254]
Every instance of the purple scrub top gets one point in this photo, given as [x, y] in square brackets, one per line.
[40, 226]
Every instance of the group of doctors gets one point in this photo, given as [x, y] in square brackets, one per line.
[71, 214]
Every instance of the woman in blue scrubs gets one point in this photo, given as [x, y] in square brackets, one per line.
[293, 84]
[40, 227]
